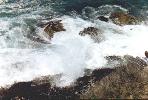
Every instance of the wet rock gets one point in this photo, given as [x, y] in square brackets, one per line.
[87, 71]
[146, 54]
[113, 58]
[83, 83]
[52, 80]
[36, 38]
[114, 61]
[53, 27]
[33, 36]
[90, 31]
[43, 90]
[103, 18]
[121, 18]
[30, 91]
[134, 61]
[95, 33]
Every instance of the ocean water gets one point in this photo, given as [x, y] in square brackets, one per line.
[67, 53]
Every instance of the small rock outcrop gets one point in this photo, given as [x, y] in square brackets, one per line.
[94, 33]
[53, 27]
[121, 18]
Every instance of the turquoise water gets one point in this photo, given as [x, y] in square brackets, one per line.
[62, 7]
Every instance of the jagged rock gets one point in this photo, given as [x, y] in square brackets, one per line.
[41, 88]
[134, 61]
[113, 58]
[53, 27]
[129, 80]
[121, 18]
[95, 33]
[118, 61]
[90, 31]
[82, 83]
[102, 18]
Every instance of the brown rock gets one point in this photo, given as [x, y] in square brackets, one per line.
[89, 31]
[121, 18]
[53, 27]
[146, 54]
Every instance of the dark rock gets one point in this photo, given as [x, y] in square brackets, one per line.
[44, 91]
[98, 74]
[113, 58]
[53, 27]
[94, 33]
[33, 36]
[90, 31]
[146, 54]
[84, 82]
[30, 91]
[102, 18]
[121, 18]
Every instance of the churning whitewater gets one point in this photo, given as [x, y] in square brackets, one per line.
[67, 53]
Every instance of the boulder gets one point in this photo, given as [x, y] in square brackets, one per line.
[33, 36]
[121, 18]
[95, 33]
[53, 27]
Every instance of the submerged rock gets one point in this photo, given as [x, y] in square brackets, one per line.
[103, 18]
[33, 36]
[53, 27]
[121, 18]
[95, 33]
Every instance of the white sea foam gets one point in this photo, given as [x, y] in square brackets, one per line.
[69, 53]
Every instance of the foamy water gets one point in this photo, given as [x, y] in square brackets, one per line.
[68, 54]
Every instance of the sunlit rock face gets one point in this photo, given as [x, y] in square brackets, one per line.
[120, 18]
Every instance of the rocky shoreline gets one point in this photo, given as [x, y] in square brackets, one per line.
[127, 79]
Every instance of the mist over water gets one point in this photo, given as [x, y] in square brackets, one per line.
[67, 53]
